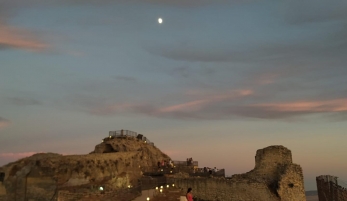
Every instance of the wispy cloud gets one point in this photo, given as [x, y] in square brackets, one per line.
[23, 101]
[19, 38]
[4, 122]
[197, 105]
[237, 104]
[338, 105]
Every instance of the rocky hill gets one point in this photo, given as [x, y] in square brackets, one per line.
[115, 163]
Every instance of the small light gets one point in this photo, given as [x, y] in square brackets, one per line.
[156, 188]
[145, 141]
[173, 184]
[102, 141]
[101, 188]
[161, 186]
[167, 186]
[110, 136]
[129, 186]
[161, 190]
[148, 198]
[170, 171]
[161, 169]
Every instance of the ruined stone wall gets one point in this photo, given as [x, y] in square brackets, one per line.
[274, 178]
[119, 195]
[2, 191]
[328, 189]
[221, 189]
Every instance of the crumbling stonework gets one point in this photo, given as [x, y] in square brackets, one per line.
[41, 176]
[274, 178]
[329, 189]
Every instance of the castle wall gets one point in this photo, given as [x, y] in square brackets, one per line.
[291, 184]
[274, 178]
[328, 189]
[119, 195]
[221, 189]
[2, 189]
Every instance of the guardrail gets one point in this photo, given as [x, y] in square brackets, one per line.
[128, 133]
[120, 133]
[186, 163]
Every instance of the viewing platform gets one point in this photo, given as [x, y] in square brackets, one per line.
[126, 134]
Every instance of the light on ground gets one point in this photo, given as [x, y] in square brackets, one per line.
[101, 188]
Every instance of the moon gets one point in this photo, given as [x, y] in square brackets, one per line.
[160, 20]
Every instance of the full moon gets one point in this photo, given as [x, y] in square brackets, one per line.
[160, 20]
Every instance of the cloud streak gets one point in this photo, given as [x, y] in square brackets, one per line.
[4, 123]
[18, 38]
[23, 101]
[228, 106]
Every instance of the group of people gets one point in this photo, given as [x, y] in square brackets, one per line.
[210, 170]
[189, 161]
[164, 163]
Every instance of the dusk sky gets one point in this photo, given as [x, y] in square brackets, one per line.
[216, 81]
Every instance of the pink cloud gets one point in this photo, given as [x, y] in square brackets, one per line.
[338, 105]
[19, 38]
[210, 99]
[4, 123]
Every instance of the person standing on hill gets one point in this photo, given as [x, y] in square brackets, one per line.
[189, 195]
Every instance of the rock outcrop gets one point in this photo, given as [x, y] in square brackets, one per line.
[114, 164]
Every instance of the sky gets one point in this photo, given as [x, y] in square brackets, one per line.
[216, 81]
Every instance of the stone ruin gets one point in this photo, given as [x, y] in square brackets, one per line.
[118, 163]
[274, 178]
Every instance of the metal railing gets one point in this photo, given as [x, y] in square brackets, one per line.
[186, 163]
[128, 133]
[205, 173]
[123, 133]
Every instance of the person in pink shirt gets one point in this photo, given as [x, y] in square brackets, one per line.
[189, 195]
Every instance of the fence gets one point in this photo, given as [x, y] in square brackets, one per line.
[128, 133]
[329, 189]
[123, 133]
[204, 173]
[186, 163]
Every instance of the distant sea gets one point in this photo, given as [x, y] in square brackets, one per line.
[311, 195]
